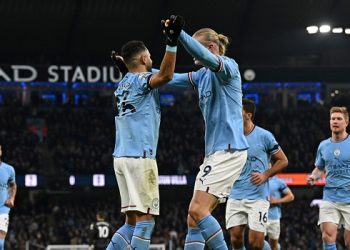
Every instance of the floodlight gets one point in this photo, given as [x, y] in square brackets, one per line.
[312, 29]
[325, 28]
[337, 30]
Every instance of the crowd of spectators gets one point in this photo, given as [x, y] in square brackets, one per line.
[80, 140]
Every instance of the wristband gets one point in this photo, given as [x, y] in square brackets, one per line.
[171, 48]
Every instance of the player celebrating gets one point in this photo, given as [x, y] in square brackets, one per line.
[333, 157]
[220, 99]
[248, 203]
[279, 193]
[8, 189]
[137, 127]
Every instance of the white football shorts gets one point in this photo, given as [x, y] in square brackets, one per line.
[4, 222]
[219, 171]
[247, 212]
[137, 180]
[336, 212]
[273, 229]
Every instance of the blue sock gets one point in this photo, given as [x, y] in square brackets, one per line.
[194, 239]
[266, 246]
[212, 233]
[2, 244]
[141, 238]
[329, 246]
[121, 238]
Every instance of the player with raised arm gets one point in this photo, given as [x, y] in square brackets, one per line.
[248, 203]
[137, 129]
[8, 190]
[218, 84]
[279, 193]
[333, 157]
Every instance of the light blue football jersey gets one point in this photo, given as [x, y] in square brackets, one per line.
[262, 144]
[334, 158]
[138, 117]
[277, 189]
[220, 97]
[7, 175]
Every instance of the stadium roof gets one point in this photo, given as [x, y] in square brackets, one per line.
[263, 32]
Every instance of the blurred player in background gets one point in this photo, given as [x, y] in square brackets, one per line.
[333, 157]
[8, 189]
[248, 203]
[100, 232]
[279, 194]
[218, 84]
[137, 127]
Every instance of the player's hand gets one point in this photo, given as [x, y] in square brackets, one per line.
[258, 178]
[311, 179]
[273, 200]
[172, 28]
[119, 63]
[10, 203]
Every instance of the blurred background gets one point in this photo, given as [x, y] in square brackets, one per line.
[57, 105]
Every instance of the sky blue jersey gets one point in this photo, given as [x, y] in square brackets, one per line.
[138, 117]
[277, 189]
[220, 96]
[334, 158]
[262, 144]
[7, 175]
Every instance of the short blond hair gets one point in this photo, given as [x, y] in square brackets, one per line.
[211, 35]
[342, 110]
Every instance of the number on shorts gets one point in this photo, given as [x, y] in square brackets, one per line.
[262, 217]
[206, 170]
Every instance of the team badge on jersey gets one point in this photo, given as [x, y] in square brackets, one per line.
[337, 152]
[155, 203]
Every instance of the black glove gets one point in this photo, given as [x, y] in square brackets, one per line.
[172, 31]
[119, 63]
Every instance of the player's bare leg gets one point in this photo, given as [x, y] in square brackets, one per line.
[329, 235]
[199, 211]
[237, 236]
[347, 238]
[2, 239]
[256, 239]
[273, 244]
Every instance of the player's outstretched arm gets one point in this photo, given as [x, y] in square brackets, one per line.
[119, 63]
[194, 48]
[171, 29]
[288, 196]
[198, 51]
[12, 190]
[314, 176]
[280, 161]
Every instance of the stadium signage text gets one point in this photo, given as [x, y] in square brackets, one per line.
[59, 73]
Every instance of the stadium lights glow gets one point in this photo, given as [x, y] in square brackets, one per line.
[325, 28]
[337, 30]
[312, 29]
